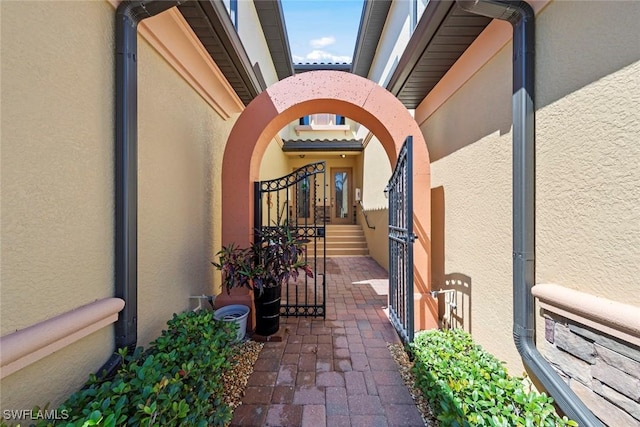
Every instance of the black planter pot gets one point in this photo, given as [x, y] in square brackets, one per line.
[268, 311]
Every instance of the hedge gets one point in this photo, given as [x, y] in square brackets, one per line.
[467, 386]
[176, 382]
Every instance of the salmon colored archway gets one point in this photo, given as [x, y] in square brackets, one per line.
[341, 93]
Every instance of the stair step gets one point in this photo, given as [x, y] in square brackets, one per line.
[338, 245]
[341, 240]
[345, 252]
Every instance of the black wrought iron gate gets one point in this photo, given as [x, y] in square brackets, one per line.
[299, 201]
[401, 238]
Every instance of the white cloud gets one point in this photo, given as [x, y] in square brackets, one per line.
[298, 58]
[322, 42]
[321, 55]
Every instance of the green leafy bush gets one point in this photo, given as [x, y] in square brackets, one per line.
[469, 387]
[177, 382]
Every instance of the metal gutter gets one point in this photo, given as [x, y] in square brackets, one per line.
[128, 16]
[521, 17]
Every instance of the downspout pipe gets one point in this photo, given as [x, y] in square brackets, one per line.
[128, 15]
[521, 16]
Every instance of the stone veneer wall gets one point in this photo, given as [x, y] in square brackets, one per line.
[602, 370]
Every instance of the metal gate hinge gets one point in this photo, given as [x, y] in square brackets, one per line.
[413, 237]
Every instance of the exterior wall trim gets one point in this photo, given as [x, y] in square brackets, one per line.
[26, 346]
[613, 318]
[170, 35]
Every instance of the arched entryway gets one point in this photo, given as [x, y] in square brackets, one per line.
[342, 93]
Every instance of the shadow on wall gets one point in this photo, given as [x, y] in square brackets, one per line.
[567, 55]
[454, 305]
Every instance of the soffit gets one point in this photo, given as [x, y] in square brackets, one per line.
[374, 15]
[312, 66]
[273, 26]
[323, 145]
[212, 25]
[444, 32]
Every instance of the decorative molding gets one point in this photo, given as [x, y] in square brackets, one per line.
[31, 344]
[279, 140]
[613, 318]
[311, 128]
[367, 139]
[170, 35]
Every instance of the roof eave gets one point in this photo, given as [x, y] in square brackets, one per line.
[212, 25]
[374, 15]
[442, 35]
[273, 25]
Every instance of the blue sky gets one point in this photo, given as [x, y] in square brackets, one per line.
[322, 30]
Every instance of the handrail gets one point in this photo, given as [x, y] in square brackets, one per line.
[366, 218]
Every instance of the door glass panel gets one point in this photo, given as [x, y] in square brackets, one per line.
[303, 198]
[341, 190]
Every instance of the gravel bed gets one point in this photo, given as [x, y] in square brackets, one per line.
[405, 365]
[235, 381]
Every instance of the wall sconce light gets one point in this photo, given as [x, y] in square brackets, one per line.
[386, 192]
[343, 155]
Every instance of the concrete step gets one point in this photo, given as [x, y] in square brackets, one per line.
[343, 252]
[341, 240]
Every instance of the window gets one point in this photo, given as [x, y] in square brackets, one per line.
[322, 119]
[232, 8]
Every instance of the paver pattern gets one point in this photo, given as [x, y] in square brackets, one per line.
[335, 371]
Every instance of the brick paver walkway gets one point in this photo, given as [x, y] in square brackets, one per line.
[333, 372]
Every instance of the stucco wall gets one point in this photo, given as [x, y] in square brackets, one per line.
[588, 223]
[376, 171]
[57, 183]
[57, 186]
[180, 148]
[378, 238]
[274, 162]
[588, 128]
[394, 39]
[253, 40]
[57, 159]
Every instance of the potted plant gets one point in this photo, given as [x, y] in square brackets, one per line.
[275, 257]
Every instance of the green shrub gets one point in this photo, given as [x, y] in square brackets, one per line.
[177, 382]
[467, 386]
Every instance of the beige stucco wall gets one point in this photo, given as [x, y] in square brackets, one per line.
[57, 186]
[376, 171]
[588, 222]
[181, 142]
[250, 32]
[57, 159]
[274, 162]
[588, 128]
[57, 183]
